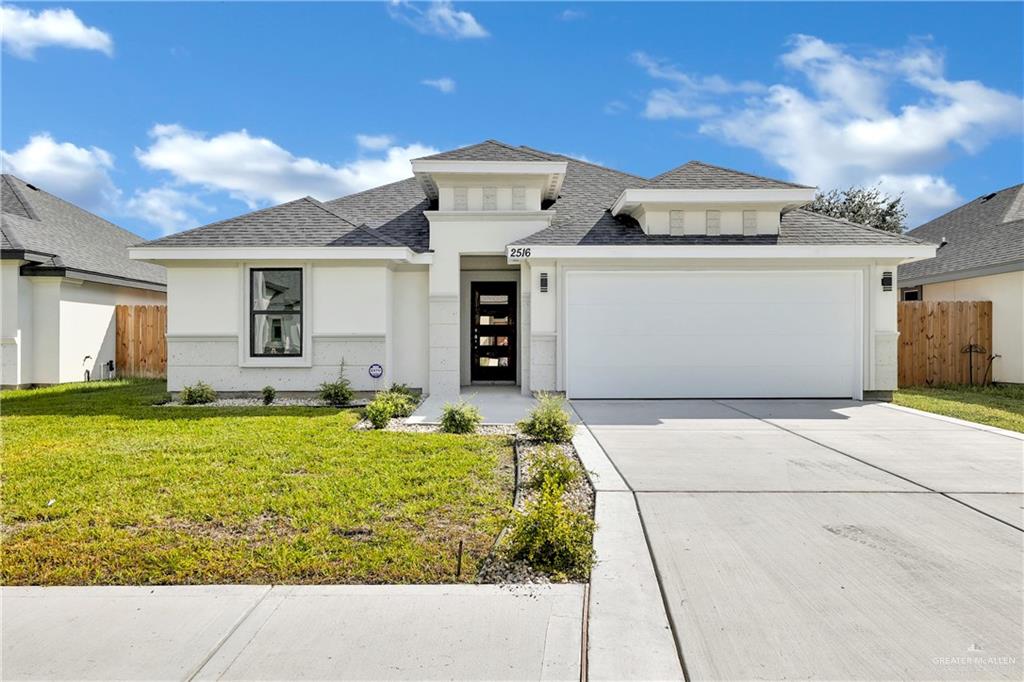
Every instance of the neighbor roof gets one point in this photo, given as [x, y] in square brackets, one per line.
[57, 235]
[581, 212]
[983, 236]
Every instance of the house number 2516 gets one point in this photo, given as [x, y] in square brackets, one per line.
[517, 252]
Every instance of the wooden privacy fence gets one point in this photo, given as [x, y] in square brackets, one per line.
[935, 337]
[141, 341]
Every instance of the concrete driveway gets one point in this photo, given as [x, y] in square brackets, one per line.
[826, 539]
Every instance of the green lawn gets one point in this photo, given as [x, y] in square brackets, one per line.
[1001, 406]
[143, 494]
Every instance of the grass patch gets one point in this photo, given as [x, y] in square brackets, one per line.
[143, 494]
[1001, 406]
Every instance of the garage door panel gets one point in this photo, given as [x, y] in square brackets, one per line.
[712, 334]
[715, 382]
[782, 318]
[743, 288]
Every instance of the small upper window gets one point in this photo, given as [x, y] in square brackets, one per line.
[518, 198]
[750, 222]
[490, 198]
[676, 222]
[275, 312]
[461, 198]
[714, 222]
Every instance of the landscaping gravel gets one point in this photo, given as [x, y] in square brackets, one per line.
[258, 402]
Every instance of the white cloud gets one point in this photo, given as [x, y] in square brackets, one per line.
[444, 84]
[374, 142]
[24, 31]
[168, 208]
[439, 18]
[80, 175]
[839, 128]
[256, 170]
[572, 15]
[614, 107]
[689, 96]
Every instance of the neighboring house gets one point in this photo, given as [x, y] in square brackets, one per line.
[980, 258]
[501, 264]
[63, 271]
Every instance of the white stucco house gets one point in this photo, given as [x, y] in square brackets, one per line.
[62, 272]
[503, 264]
[980, 258]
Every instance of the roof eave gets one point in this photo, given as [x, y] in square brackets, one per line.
[967, 273]
[903, 253]
[786, 199]
[160, 254]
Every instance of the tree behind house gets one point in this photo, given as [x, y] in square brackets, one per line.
[864, 205]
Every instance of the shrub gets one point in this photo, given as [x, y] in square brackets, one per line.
[401, 403]
[379, 412]
[548, 421]
[337, 393]
[551, 537]
[269, 393]
[552, 467]
[198, 393]
[460, 418]
[403, 389]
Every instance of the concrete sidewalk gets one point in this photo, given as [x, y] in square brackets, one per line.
[467, 632]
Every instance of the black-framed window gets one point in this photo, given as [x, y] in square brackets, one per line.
[275, 312]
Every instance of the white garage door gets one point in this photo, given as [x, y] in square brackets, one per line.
[713, 334]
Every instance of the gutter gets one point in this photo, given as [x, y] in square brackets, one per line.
[90, 276]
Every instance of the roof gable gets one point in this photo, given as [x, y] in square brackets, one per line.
[700, 175]
[489, 150]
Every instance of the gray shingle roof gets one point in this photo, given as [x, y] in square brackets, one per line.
[700, 175]
[394, 212]
[302, 222]
[489, 150]
[985, 233]
[68, 236]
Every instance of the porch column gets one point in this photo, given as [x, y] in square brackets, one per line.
[443, 323]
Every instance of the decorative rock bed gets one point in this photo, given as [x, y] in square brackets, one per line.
[258, 402]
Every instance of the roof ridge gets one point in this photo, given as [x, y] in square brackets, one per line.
[319, 204]
[844, 221]
[730, 170]
[219, 222]
[520, 148]
[32, 215]
[587, 163]
[362, 226]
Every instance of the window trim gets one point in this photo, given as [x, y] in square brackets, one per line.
[253, 312]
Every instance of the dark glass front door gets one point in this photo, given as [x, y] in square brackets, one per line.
[493, 331]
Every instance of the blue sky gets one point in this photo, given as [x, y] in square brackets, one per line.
[164, 116]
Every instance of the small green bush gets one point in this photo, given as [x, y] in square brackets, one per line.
[402, 404]
[553, 467]
[460, 417]
[551, 537]
[404, 390]
[548, 421]
[269, 393]
[198, 393]
[379, 412]
[337, 393]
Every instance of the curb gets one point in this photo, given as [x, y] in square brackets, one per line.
[629, 636]
[954, 420]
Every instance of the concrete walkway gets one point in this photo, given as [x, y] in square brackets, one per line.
[826, 539]
[464, 632]
[497, 405]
